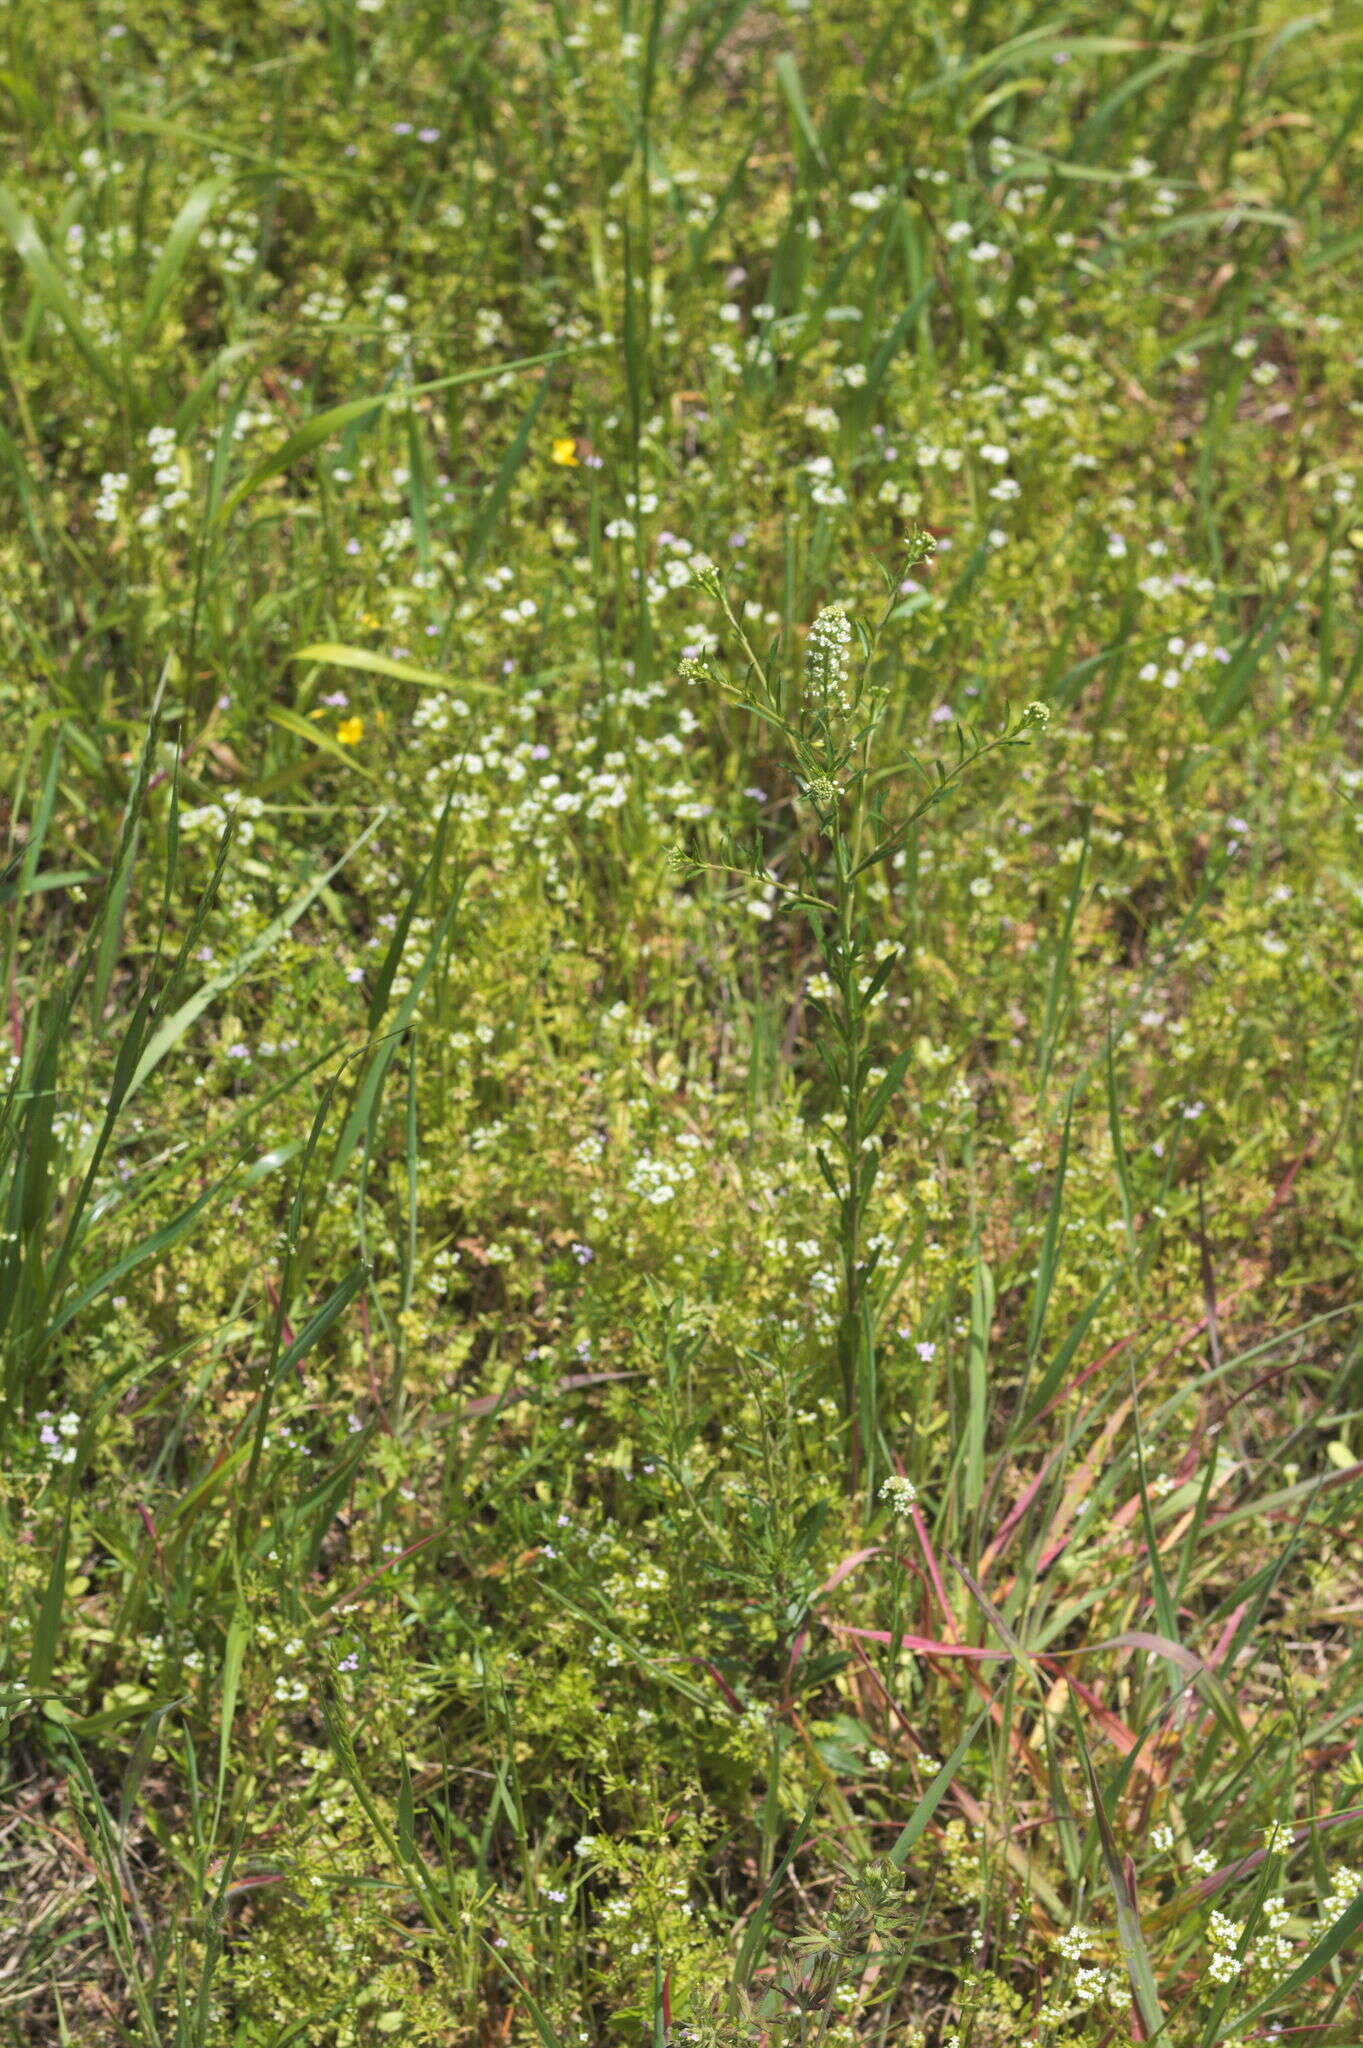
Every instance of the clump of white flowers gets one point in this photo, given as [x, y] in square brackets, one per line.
[827, 657]
[109, 503]
[57, 1435]
[898, 1494]
[289, 1689]
[166, 473]
[1075, 1942]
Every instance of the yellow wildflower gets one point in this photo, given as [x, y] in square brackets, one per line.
[564, 451]
[350, 732]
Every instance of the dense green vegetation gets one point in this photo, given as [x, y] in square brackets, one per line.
[682, 909]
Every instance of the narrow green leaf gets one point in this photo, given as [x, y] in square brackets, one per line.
[50, 285]
[1050, 1243]
[317, 736]
[793, 93]
[331, 653]
[543, 2025]
[887, 1090]
[977, 1381]
[234, 1657]
[935, 1793]
[55, 878]
[750, 1953]
[406, 1814]
[361, 1109]
[490, 510]
[175, 251]
[1130, 1935]
[159, 1242]
[43, 1656]
[316, 1328]
[1050, 1028]
[175, 1027]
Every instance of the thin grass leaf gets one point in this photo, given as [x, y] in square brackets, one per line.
[938, 1787]
[1048, 1259]
[793, 93]
[977, 1381]
[332, 654]
[47, 1634]
[315, 736]
[491, 507]
[177, 249]
[1130, 1935]
[750, 1950]
[549, 2038]
[233, 1660]
[51, 288]
[168, 1035]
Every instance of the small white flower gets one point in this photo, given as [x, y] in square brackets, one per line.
[898, 1493]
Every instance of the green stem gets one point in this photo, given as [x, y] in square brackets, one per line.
[852, 1219]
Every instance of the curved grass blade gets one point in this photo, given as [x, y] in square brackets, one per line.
[314, 736]
[334, 654]
[175, 1027]
[176, 250]
[49, 284]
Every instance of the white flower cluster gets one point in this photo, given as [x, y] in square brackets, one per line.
[824, 489]
[108, 504]
[827, 655]
[291, 1692]
[167, 475]
[676, 566]
[323, 305]
[1182, 657]
[543, 795]
[1090, 1982]
[1075, 1942]
[57, 1436]
[657, 1180]
[1348, 1883]
[899, 1494]
[156, 1656]
[246, 810]
[235, 244]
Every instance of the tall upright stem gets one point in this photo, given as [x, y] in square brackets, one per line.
[853, 1206]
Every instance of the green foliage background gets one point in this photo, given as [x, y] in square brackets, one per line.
[431, 1576]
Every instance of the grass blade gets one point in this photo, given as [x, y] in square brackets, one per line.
[51, 287]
